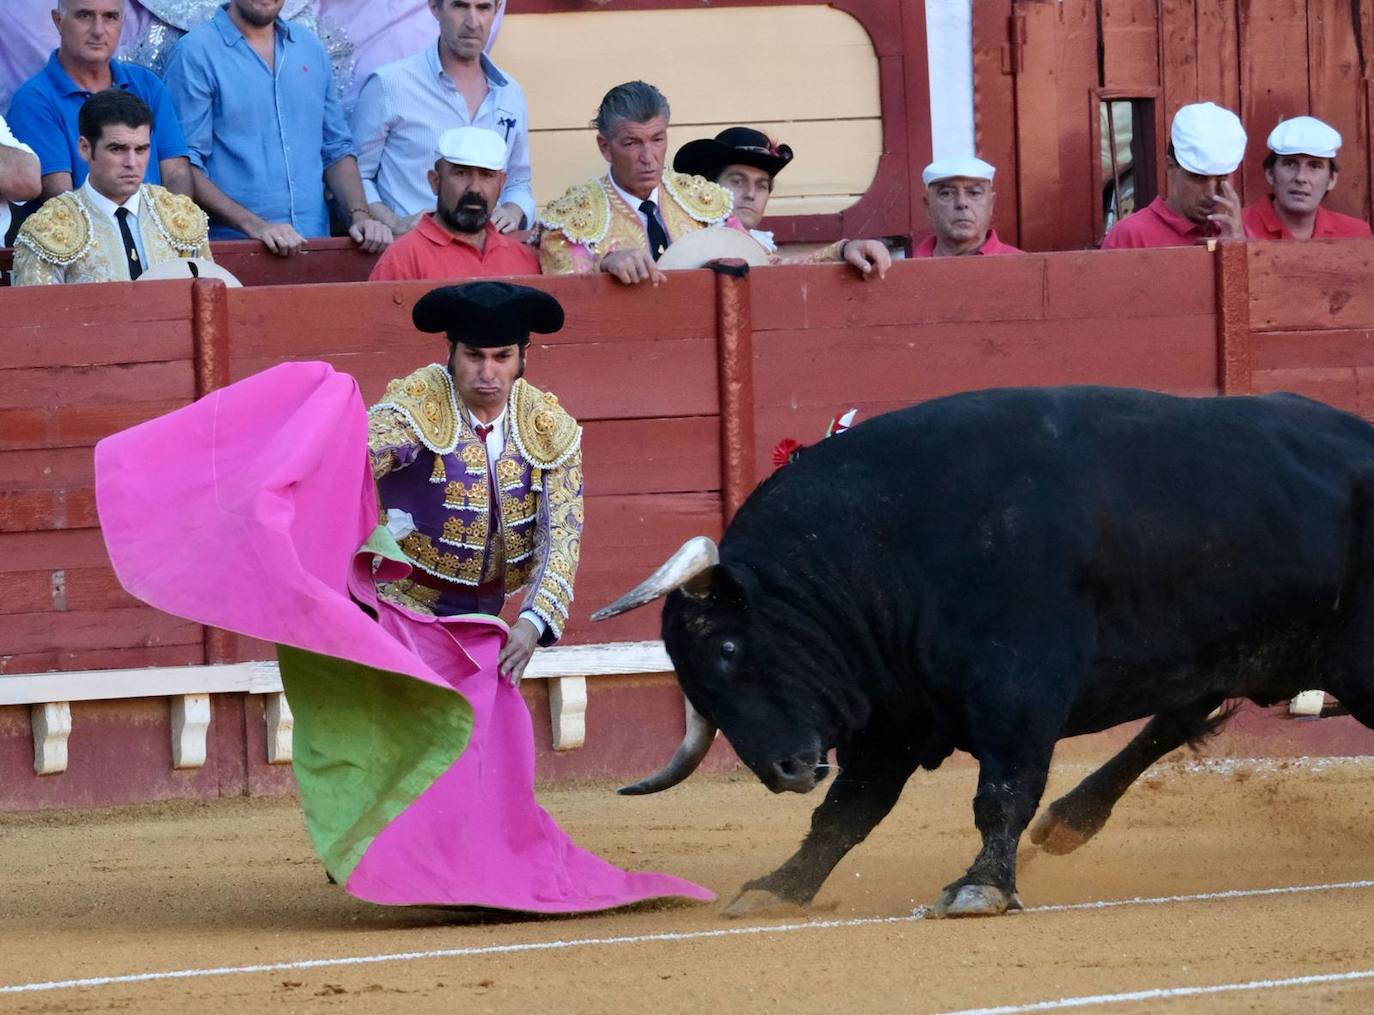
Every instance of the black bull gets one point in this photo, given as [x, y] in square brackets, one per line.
[996, 570]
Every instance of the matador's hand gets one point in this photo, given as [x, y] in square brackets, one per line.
[515, 656]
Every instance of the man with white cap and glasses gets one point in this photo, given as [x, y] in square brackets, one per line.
[459, 239]
[1206, 145]
[959, 198]
[1301, 170]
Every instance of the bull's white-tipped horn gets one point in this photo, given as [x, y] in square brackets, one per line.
[688, 569]
[700, 733]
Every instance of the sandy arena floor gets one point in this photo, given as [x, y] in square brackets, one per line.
[234, 884]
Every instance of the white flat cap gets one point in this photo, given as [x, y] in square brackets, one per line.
[1305, 135]
[1208, 140]
[472, 146]
[968, 166]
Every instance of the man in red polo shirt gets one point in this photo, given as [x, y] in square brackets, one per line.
[1206, 145]
[959, 198]
[457, 239]
[1301, 170]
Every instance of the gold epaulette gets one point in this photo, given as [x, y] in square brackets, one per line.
[60, 232]
[545, 434]
[583, 214]
[179, 219]
[700, 198]
[429, 404]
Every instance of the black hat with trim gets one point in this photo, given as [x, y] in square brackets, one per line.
[487, 315]
[733, 146]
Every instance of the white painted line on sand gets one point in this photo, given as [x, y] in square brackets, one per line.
[1165, 993]
[693, 935]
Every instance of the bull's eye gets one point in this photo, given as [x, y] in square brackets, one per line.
[728, 650]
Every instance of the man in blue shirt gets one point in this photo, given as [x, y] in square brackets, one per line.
[44, 111]
[266, 131]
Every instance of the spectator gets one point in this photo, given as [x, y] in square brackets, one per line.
[405, 105]
[745, 162]
[459, 239]
[621, 222]
[1301, 170]
[959, 198]
[19, 176]
[264, 126]
[114, 226]
[46, 107]
[1206, 144]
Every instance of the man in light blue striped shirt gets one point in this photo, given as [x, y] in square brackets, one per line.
[405, 105]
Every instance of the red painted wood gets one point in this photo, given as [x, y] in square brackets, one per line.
[41, 306]
[1336, 95]
[1317, 284]
[46, 469]
[75, 630]
[636, 456]
[36, 551]
[122, 341]
[1130, 42]
[41, 510]
[73, 426]
[57, 658]
[1302, 350]
[57, 386]
[1338, 386]
[995, 53]
[1271, 87]
[86, 588]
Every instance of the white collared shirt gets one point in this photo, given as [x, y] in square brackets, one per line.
[9, 141]
[496, 444]
[106, 207]
[634, 203]
[765, 239]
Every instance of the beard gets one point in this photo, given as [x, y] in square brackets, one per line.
[254, 18]
[469, 214]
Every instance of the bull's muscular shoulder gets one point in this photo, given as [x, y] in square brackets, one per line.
[545, 434]
[60, 232]
[428, 403]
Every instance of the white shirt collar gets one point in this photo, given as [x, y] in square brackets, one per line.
[630, 199]
[765, 239]
[105, 206]
[495, 424]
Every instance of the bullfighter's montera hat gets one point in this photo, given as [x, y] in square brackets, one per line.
[746, 146]
[486, 315]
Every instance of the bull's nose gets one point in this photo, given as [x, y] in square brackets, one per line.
[796, 774]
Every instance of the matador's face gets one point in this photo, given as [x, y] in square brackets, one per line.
[484, 377]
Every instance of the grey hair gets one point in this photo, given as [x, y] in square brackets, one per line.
[634, 101]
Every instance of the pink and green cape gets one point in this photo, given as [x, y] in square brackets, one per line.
[254, 510]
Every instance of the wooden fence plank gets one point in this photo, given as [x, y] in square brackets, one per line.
[38, 551]
[81, 588]
[1336, 87]
[75, 630]
[1273, 37]
[652, 455]
[44, 510]
[46, 469]
[1313, 285]
[1130, 44]
[100, 385]
[73, 425]
[1303, 350]
[89, 306]
[60, 658]
[95, 344]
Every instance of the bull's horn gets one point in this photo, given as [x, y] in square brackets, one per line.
[700, 734]
[688, 569]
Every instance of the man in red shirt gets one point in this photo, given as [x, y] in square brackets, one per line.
[959, 198]
[457, 239]
[1206, 145]
[1301, 170]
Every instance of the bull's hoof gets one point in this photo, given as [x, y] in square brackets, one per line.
[975, 900]
[759, 902]
[1052, 833]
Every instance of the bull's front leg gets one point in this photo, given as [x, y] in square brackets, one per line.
[861, 796]
[1008, 794]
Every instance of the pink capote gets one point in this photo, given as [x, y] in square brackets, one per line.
[245, 510]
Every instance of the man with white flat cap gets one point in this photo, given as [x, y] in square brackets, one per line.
[1301, 170]
[1206, 145]
[458, 239]
[959, 198]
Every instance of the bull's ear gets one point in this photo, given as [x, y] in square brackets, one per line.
[730, 586]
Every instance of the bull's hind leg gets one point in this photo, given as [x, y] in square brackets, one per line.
[1078, 815]
[868, 785]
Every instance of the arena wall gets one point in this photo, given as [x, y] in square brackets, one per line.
[683, 391]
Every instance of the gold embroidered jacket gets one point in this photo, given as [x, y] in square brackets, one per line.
[591, 220]
[430, 464]
[69, 240]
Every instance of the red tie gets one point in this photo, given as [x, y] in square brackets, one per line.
[482, 429]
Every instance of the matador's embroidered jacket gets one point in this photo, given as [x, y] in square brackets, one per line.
[429, 463]
[592, 220]
[67, 240]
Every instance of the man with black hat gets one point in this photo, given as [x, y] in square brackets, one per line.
[479, 472]
[745, 162]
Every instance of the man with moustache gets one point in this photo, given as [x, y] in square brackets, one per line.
[622, 222]
[266, 131]
[459, 239]
[1301, 170]
[1206, 145]
[114, 226]
[404, 105]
